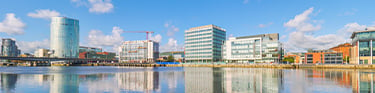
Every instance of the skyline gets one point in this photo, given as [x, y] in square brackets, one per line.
[315, 24]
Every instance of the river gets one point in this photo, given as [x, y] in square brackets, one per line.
[118, 79]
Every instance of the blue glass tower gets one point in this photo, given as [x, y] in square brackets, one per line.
[64, 37]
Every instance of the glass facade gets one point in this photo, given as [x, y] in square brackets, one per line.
[64, 37]
[204, 44]
[9, 48]
[263, 48]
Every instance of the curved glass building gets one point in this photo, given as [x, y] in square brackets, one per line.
[64, 37]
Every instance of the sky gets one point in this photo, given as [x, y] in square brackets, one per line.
[302, 24]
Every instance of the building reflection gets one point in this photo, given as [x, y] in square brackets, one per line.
[8, 82]
[221, 80]
[64, 83]
[147, 81]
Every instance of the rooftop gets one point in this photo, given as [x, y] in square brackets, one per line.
[206, 26]
[368, 29]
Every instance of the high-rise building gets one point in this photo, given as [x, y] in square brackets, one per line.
[146, 51]
[264, 48]
[64, 37]
[9, 48]
[204, 43]
[363, 46]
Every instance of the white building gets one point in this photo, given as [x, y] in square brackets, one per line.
[146, 51]
[41, 53]
[264, 48]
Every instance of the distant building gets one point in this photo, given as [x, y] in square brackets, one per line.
[264, 48]
[324, 57]
[9, 48]
[363, 49]
[89, 49]
[204, 43]
[41, 53]
[146, 51]
[64, 37]
[299, 58]
[97, 55]
[177, 55]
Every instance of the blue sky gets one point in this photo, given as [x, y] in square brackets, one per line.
[321, 23]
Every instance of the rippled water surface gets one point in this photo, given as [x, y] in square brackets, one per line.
[183, 79]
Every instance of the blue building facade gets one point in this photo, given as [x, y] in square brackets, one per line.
[204, 44]
[64, 37]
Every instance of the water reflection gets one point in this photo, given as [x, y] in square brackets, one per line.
[189, 80]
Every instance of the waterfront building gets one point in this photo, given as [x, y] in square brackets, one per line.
[204, 43]
[41, 53]
[264, 48]
[9, 48]
[89, 49]
[344, 49]
[97, 55]
[146, 51]
[177, 55]
[64, 37]
[363, 47]
[324, 57]
[299, 58]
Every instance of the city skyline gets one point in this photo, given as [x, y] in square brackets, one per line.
[316, 24]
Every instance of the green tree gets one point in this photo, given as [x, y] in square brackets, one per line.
[289, 59]
[170, 58]
[346, 59]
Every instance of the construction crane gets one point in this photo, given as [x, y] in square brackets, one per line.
[147, 32]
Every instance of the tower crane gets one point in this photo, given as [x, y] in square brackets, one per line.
[147, 32]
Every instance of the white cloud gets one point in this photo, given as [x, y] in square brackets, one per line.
[30, 47]
[171, 46]
[302, 38]
[12, 25]
[44, 14]
[302, 22]
[100, 6]
[98, 38]
[156, 38]
[96, 6]
[265, 25]
[171, 29]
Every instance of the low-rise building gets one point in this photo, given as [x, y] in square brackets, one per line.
[264, 48]
[97, 55]
[299, 58]
[344, 49]
[177, 55]
[145, 51]
[41, 53]
[323, 57]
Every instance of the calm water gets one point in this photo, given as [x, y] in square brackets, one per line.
[179, 79]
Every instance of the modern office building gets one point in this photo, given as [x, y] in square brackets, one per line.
[204, 43]
[89, 49]
[41, 53]
[363, 46]
[324, 57]
[264, 48]
[9, 48]
[64, 37]
[146, 51]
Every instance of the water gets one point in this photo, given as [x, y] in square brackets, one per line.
[109, 79]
